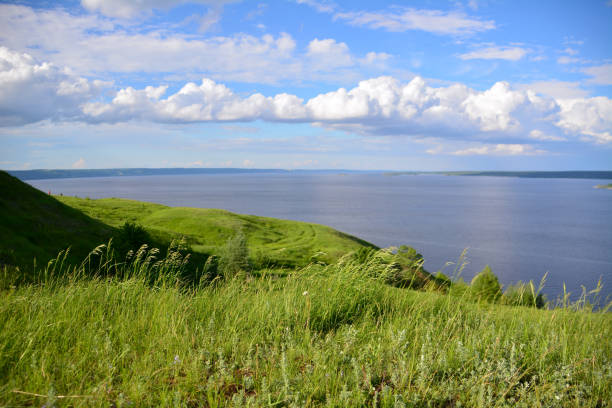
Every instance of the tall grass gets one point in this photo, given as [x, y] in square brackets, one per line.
[134, 334]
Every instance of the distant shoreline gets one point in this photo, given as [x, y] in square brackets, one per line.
[604, 186]
[41, 174]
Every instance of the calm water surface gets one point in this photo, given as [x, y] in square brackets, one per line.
[523, 228]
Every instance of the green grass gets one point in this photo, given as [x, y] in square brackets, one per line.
[35, 225]
[270, 240]
[138, 332]
[323, 336]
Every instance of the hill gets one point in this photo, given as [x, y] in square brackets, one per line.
[36, 225]
[271, 241]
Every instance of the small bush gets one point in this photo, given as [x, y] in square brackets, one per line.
[523, 294]
[364, 254]
[234, 256]
[442, 280]
[485, 286]
[131, 236]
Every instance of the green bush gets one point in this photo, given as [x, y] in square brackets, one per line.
[485, 286]
[442, 280]
[234, 256]
[131, 236]
[523, 294]
[364, 254]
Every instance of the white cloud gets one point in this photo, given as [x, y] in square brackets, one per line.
[589, 117]
[79, 164]
[210, 19]
[93, 45]
[329, 53]
[568, 60]
[495, 52]
[556, 89]
[539, 135]
[493, 107]
[376, 58]
[400, 19]
[500, 150]
[129, 8]
[31, 91]
[320, 6]
[379, 106]
[570, 51]
[601, 75]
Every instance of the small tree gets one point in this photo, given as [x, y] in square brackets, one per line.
[234, 256]
[131, 237]
[485, 286]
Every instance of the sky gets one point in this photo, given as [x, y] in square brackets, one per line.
[306, 84]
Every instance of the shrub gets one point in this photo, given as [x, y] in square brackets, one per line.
[523, 294]
[234, 256]
[442, 280]
[485, 286]
[364, 254]
[131, 237]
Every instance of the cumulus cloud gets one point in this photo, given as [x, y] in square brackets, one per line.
[31, 91]
[589, 117]
[399, 19]
[328, 52]
[378, 106]
[495, 52]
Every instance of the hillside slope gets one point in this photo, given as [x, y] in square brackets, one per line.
[271, 241]
[36, 225]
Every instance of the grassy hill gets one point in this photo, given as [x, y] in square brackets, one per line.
[270, 240]
[36, 225]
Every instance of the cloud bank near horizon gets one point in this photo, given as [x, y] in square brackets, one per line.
[32, 91]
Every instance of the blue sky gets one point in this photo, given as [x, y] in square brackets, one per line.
[419, 85]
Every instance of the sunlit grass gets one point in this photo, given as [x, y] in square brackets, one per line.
[136, 335]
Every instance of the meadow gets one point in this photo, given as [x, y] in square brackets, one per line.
[329, 320]
[135, 335]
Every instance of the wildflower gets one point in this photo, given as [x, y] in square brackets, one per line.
[177, 360]
[305, 293]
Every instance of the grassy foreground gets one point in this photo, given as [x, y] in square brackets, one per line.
[323, 336]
